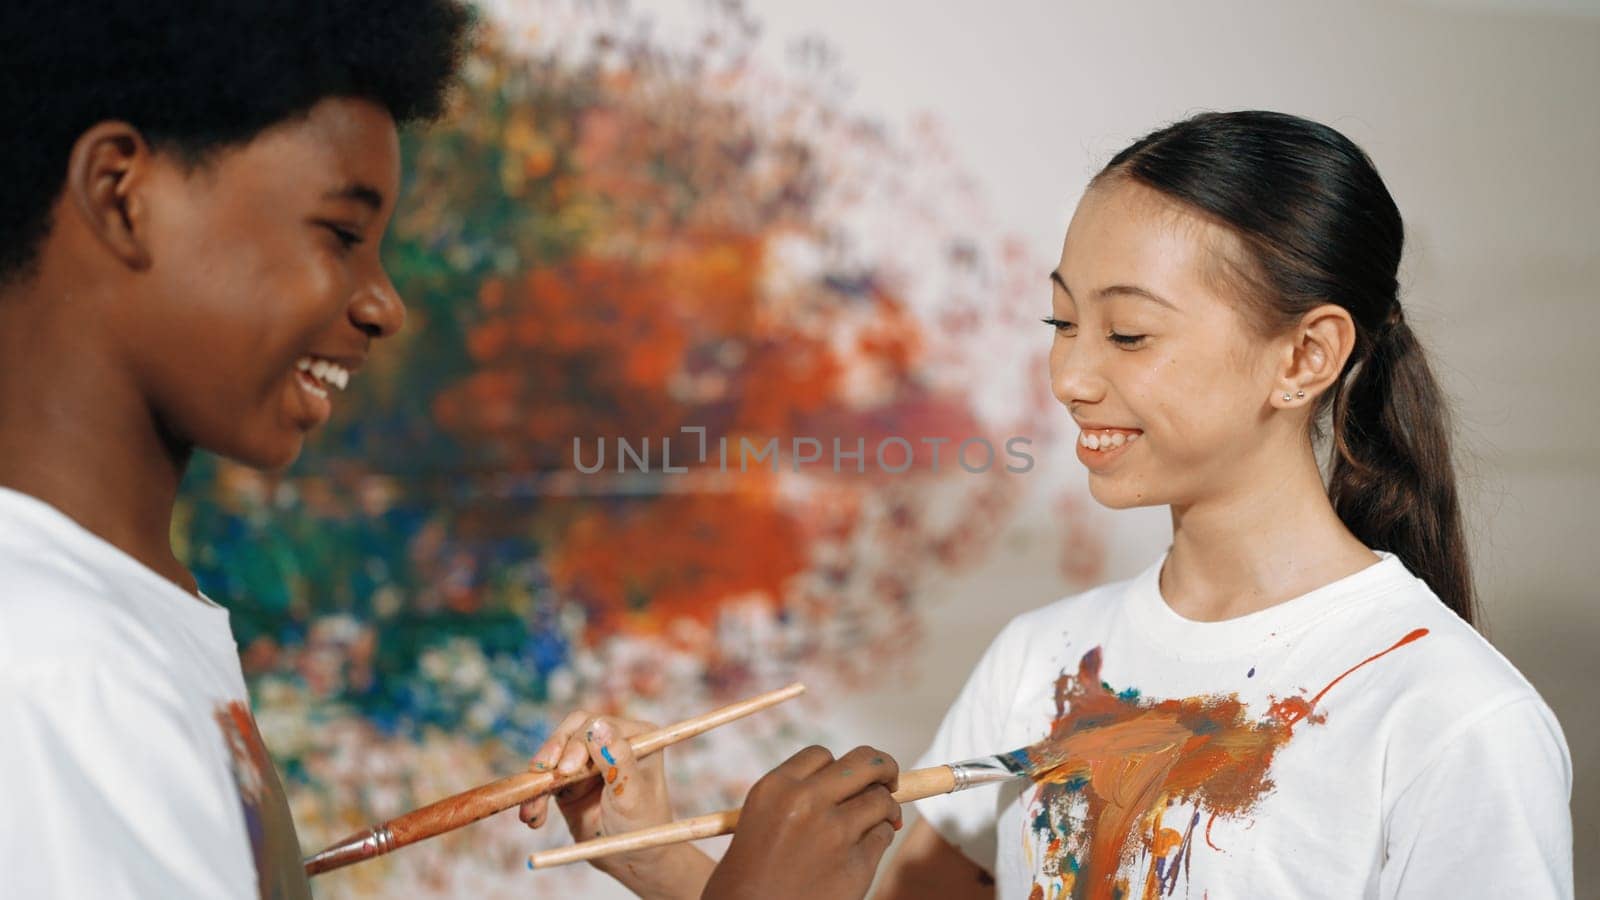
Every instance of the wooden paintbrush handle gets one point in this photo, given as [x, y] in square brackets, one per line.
[917, 784]
[485, 800]
[470, 806]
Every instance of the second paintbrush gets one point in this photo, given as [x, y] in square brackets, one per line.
[917, 784]
[470, 806]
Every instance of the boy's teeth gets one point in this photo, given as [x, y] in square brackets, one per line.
[328, 373]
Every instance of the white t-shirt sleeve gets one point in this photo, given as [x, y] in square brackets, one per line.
[1489, 815]
[107, 794]
[972, 727]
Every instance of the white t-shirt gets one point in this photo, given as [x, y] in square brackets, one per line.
[1357, 741]
[130, 765]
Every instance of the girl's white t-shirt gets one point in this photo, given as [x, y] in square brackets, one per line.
[1360, 740]
[130, 765]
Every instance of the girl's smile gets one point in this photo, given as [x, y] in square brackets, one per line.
[1099, 447]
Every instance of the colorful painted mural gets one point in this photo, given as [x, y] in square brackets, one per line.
[627, 244]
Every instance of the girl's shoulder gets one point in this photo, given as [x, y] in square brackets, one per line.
[1451, 668]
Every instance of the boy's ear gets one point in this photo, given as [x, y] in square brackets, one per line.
[107, 168]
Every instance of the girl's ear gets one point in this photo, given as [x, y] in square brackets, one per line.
[1320, 344]
[107, 172]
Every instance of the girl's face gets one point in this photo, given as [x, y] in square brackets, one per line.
[1170, 388]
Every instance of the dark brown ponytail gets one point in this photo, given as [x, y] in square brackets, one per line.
[1392, 480]
[1319, 226]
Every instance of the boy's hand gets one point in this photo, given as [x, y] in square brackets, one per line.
[627, 795]
[814, 827]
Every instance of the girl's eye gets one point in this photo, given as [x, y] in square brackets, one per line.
[1057, 324]
[1127, 340]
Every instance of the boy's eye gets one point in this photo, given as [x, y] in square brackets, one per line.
[347, 238]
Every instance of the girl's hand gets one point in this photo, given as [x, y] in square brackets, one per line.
[627, 795]
[813, 827]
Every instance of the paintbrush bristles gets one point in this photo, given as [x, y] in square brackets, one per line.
[1039, 759]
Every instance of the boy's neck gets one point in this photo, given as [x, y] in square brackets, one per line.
[75, 434]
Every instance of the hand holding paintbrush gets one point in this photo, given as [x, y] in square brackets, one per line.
[1048, 757]
[470, 806]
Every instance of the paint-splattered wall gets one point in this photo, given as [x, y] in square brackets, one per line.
[617, 240]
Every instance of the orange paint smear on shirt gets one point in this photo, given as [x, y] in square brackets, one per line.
[1293, 709]
[1125, 761]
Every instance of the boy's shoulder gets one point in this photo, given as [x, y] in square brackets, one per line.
[62, 611]
[55, 612]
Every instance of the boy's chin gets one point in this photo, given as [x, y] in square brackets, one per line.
[271, 457]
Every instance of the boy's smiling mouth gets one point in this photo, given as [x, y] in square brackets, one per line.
[318, 374]
[314, 376]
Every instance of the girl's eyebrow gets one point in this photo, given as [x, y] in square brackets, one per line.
[1132, 290]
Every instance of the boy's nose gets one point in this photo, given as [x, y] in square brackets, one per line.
[377, 308]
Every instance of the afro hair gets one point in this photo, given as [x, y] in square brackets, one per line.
[196, 76]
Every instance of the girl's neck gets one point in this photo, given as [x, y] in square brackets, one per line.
[1237, 554]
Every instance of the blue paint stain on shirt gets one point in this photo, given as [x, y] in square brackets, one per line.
[1251, 673]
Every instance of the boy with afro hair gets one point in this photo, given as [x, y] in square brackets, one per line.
[190, 212]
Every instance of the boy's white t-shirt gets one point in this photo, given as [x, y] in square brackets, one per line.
[1360, 740]
[130, 765]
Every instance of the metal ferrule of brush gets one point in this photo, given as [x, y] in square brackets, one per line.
[376, 842]
[985, 770]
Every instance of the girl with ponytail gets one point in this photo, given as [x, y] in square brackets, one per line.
[1292, 701]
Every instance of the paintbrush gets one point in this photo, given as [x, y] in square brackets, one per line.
[470, 806]
[1049, 757]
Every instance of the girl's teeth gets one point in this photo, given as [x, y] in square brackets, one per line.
[1108, 440]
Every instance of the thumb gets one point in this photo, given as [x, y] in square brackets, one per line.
[614, 760]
